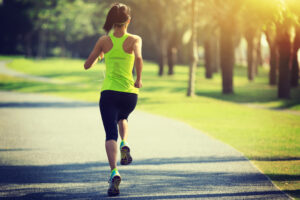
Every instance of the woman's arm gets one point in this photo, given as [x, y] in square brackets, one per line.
[93, 57]
[137, 49]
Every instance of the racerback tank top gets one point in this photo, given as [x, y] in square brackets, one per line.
[119, 65]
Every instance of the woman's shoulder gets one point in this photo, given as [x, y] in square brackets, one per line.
[134, 37]
[104, 38]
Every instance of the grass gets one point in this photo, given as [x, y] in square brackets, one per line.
[6, 58]
[268, 137]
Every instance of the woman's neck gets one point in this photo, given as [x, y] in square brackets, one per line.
[119, 32]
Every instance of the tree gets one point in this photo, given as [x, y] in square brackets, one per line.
[295, 64]
[154, 28]
[215, 48]
[176, 26]
[40, 14]
[227, 14]
[270, 32]
[210, 40]
[52, 23]
[285, 38]
[259, 60]
[280, 32]
[252, 26]
[172, 52]
[208, 36]
[163, 27]
[252, 36]
[208, 57]
[194, 52]
[272, 12]
[15, 22]
[211, 50]
[294, 6]
[77, 23]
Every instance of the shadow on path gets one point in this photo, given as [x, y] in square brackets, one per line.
[46, 104]
[142, 180]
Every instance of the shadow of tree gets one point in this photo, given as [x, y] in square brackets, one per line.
[140, 181]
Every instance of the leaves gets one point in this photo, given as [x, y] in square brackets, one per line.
[73, 19]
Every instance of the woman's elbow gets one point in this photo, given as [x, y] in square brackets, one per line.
[139, 59]
[86, 66]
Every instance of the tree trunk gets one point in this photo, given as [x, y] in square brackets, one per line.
[252, 41]
[251, 59]
[215, 49]
[62, 46]
[274, 57]
[172, 54]
[295, 64]
[161, 62]
[295, 69]
[285, 58]
[28, 44]
[227, 57]
[273, 65]
[259, 59]
[42, 44]
[162, 58]
[172, 51]
[208, 58]
[194, 53]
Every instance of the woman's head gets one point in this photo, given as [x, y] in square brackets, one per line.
[117, 16]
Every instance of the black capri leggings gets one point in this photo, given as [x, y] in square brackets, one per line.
[114, 106]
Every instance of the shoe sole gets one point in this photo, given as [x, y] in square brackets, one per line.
[114, 189]
[126, 158]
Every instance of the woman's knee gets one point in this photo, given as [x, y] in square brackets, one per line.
[111, 129]
[112, 136]
[121, 121]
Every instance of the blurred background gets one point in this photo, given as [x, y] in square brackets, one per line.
[237, 58]
[253, 33]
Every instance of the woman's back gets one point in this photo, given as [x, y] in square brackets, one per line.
[119, 60]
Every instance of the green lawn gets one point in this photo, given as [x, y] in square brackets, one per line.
[269, 138]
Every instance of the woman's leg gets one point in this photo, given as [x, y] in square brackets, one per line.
[112, 152]
[123, 129]
[109, 118]
[126, 158]
[127, 105]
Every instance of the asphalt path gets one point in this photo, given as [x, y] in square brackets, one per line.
[53, 148]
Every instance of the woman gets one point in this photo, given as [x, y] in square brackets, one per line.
[119, 92]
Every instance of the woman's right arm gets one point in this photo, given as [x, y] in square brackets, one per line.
[93, 57]
[137, 49]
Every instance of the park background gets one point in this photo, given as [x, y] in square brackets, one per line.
[226, 67]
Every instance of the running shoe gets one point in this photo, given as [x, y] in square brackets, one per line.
[126, 158]
[114, 182]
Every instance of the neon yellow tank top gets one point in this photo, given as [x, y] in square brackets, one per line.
[119, 65]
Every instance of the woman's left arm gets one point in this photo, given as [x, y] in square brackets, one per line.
[93, 57]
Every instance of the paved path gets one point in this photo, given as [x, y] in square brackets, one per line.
[53, 148]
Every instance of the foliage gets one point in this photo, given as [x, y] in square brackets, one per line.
[63, 22]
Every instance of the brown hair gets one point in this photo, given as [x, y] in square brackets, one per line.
[118, 15]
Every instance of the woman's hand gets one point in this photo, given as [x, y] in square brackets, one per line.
[101, 56]
[138, 83]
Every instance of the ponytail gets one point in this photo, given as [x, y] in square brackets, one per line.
[118, 15]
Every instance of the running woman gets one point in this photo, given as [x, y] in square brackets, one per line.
[119, 91]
